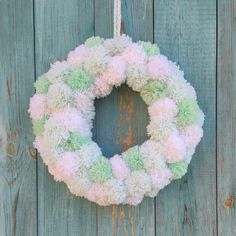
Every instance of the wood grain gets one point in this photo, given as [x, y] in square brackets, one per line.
[18, 206]
[226, 117]
[121, 120]
[60, 26]
[186, 33]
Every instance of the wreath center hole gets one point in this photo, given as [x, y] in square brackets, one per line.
[120, 122]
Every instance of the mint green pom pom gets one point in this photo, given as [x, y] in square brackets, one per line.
[178, 169]
[42, 84]
[188, 113]
[79, 79]
[153, 90]
[100, 170]
[133, 158]
[149, 48]
[75, 142]
[38, 126]
[93, 41]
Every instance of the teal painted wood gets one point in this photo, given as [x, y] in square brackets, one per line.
[121, 120]
[226, 110]
[60, 26]
[18, 206]
[186, 33]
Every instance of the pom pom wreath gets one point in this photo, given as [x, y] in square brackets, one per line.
[178, 169]
[42, 85]
[79, 79]
[93, 41]
[62, 111]
[153, 91]
[100, 170]
[188, 113]
[149, 48]
[133, 158]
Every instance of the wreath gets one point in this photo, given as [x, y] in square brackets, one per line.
[63, 110]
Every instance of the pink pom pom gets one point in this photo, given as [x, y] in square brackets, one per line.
[65, 167]
[37, 106]
[134, 54]
[174, 148]
[77, 56]
[161, 178]
[160, 68]
[119, 168]
[192, 135]
[115, 73]
[162, 109]
[96, 193]
[72, 119]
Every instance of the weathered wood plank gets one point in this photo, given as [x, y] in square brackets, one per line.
[186, 33]
[18, 206]
[60, 27]
[121, 119]
[226, 117]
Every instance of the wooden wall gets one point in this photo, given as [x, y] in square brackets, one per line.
[200, 35]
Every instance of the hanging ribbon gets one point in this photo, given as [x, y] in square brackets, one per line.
[117, 18]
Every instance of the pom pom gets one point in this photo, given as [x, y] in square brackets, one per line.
[58, 97]
[137, 76]
[115, 73]
[161, 130]
[149, 48]
[160, 68]
[174, 148]
[38, 125]
[192, 135]
[119, 168]
[42, 84]
[134, 54]
[163, 109]
[138, 183]
[66, 166]
[133, 158]
[93, 41]
[161, 178]
[79, 79]
[188, 113]
[100, 170]
[152, 91]
[77, 57]
[75, 142]
[117, 45]
[57, 71]
[37, 106]
[101, 87]
[178, 169]
[73, 121]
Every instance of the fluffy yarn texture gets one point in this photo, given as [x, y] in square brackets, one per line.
[62, 112]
